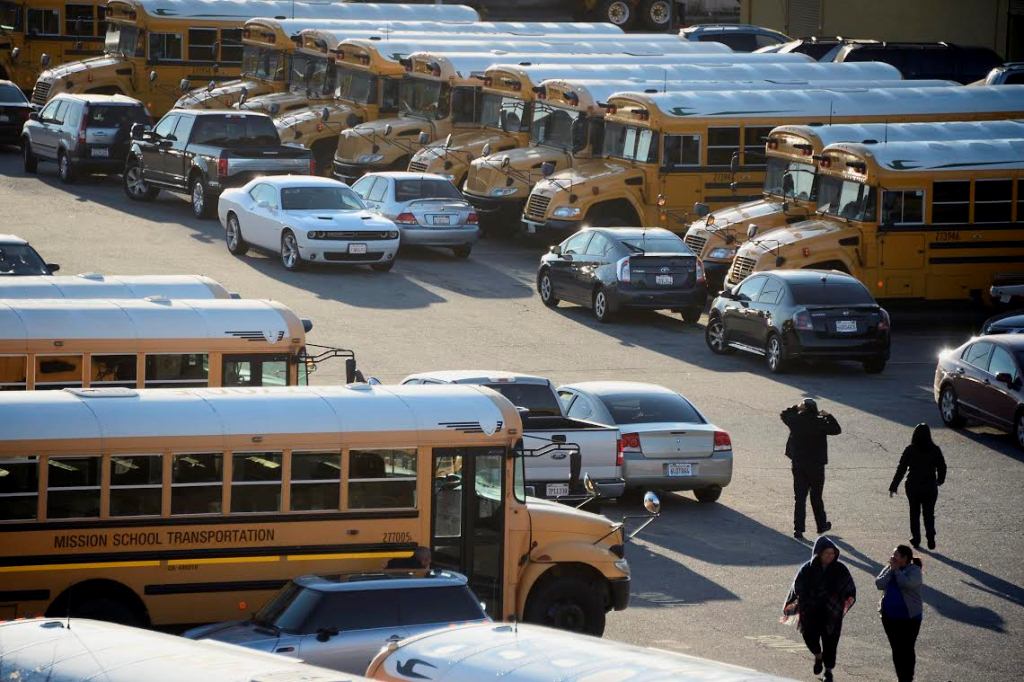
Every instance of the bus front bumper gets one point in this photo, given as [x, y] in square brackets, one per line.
[620, 593]
[557, 228]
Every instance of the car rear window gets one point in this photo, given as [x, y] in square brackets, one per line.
[639, 408]
[539, 399]
[656, 245]
[235, 131]
[428, 188]
[830, 293]
[320, 199]
[438, 605]
[11, 95]
[109, 116]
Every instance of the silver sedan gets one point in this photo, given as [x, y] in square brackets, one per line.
[665, 442]
[428, 209]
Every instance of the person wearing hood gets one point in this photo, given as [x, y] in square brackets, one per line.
[925, 468]
[900, 608]
[807, 449]
[822, 592]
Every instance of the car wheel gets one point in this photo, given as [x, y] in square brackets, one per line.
[65, 168]
[709, 494]
[874, 365]
[714, 337]
[291, 259]
[546, 289]
[233, 236]
[383, 267]
[775, 354]
[949, 408]
[567, 602]
[462, 251]
[29, 157]
[618, 12]
[202, 207]
[656, 14]
[691, 315]
[135, 185]
[1018, 429]
[601, 306]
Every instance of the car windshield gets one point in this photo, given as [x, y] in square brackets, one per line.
[309, 73]
[107, 116]
[786, 179]
[655, 245]
[235, 131]
[847, 199]
[355, 86]
[425, 188]
[552, 126]
[261, 63]
[320, 199]
[9, 94]
[423, 98]
[21, 259]
[639, 408]
[830, 292]
[502, 112]
[539, 399]
[631, 143]
[289, 609]
[122, 40]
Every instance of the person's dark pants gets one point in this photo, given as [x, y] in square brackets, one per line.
[922, 501]
[902, 634]
[808, 481]
[822, 644]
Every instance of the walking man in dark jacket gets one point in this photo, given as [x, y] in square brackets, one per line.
[807, 449]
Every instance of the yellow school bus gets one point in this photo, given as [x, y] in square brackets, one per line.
[665, 154]
[163, 507]
[62, 30]
[911, 220]
[790, 187]
[156, 342]
[95, 285]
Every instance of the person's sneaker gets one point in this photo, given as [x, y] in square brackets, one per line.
[798, 535]
[931, 543]
[827, 677]
[826, 528]
[818, 666]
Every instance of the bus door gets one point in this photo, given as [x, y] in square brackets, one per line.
[901, 244]
[467, 523]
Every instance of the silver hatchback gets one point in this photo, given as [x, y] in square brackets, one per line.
[428, 209]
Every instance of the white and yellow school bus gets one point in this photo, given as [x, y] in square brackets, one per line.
[790, 181]
[912, 220]
[94, 285]
[63, 30]
[48, 344]
[498, 188]
[162, 507]
[665, 153]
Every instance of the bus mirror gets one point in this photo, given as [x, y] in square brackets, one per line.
[701, 210]
[210, 86]
[152, 76]
[734, 163]
[546, 169]
[387, 130]
[350, 370]
[751, 231]
[325, 114]
[185, 85]
[14, 53]
[274, 108]
[242, 98]
[351, 121]
[592, 487]
[651, 503]
[505, 162]
[779, 261]
[555, 250]
[530, 491]
[448, 141]
[44, 59]
[423, 137]
[486, 151]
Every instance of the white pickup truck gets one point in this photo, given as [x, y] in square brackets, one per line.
[549, 469]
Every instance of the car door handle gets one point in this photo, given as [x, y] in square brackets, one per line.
[558, 438]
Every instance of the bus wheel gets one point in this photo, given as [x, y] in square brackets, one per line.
[110, 610]
[567, 602]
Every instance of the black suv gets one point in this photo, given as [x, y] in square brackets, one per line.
[14, 111]
[785, 315]
[916, 61]
[202, 153]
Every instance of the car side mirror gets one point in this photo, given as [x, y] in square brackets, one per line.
[33, 116]
[1004, 378]
[52, 267]
[726, 294]
[324, 634]
[138, 131]
[751, 231]
[555, 250]
[44, 59]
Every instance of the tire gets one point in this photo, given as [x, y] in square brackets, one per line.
[656, 15]
[874, 365]
[29, 159]
[383, 267]
[65, 168]
[107, 609]
[233, 237]
[462, 251]
[601, 306]
[567, 603]
[714, 337]
[618, 12]
[775, 354]
[291, 259]
[202, 206]
[134, 183]
[709, 494]
[1018, 429]
[544, 284]
[949, 408]
[691, 315]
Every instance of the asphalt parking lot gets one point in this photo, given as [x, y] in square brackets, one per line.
[708, 579]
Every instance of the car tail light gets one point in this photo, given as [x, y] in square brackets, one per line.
[473, 218]
[312, 166]
[622, 270]
[406, 219]
[700, 272]
[722, 441]
[628, 442]
[884, 323]
[222, 167]
[802, 321]
[81, 126]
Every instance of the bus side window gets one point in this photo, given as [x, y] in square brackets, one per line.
[13, 373]
[681, 152]
[231, 46]
[315, 481]
[55, 372]
[43, 22]
[382, 479]
[114, 370]
[903, 207]
[177, 371]
[753, 146]
[202, 44]
[136, 485]
[19, 488]
[78, 20]
[164, 47]
[951, 202]
[73, 487]
[196, 483]
[1020, 201]
[256, 482]
[722, 144]
[993, 201]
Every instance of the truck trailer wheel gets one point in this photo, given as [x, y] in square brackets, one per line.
[567, 602]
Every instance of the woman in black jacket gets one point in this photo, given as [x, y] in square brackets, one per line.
[927, 471]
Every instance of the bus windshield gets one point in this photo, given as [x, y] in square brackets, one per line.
[123, 40]
[262, 63]
[790, 179]
[503, 112]
[847, 199]
[423, 98]
[355, 86]
[308, 73]
[552, 126]
[631, 143]
[10, 16]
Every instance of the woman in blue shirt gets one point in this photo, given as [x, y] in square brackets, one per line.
[900, 608]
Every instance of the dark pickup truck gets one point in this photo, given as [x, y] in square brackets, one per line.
[202, 153]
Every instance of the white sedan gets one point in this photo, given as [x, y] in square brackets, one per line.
[306, 219]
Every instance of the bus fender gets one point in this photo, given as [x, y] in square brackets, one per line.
[618, 205]
[101, 599]
[583, 558]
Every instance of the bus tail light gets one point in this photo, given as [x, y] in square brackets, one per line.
[722, 441]
[222, 167]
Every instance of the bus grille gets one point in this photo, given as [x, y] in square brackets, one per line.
[417, 167]
[41, 92]
[741, 267]
[696, 242]
[537, 206]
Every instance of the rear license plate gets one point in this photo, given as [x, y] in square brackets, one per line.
[100, 152]
[679, 469]
[663, 279]
[557, 489]
[4, 118]
[846, 326]
[442, 220]
[357, 248]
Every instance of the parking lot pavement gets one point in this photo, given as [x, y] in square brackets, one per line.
[708, 579]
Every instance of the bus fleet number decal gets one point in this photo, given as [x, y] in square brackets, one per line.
[398, 537]
[947, 236]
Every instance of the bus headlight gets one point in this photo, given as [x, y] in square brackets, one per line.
[370, 158]
[503, 191]
[566, 212]
[722, 253]
[622, 565]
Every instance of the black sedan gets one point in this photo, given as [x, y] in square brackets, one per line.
[614, 268]
[982, 380]
[786, 315]
[1007, 323]
[14, 111]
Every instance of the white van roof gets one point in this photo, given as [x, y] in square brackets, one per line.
[93, 285]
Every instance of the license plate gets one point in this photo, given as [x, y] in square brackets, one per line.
[100, 152]
[4, 118]
[663, 279]
[679, 469]
[357, 248]
[531, 228]
[442, 220]
[846, 326]
[557, 489]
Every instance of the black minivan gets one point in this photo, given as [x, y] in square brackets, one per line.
[787, 315]
[916, 61]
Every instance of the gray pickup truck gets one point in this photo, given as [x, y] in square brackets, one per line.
[549, 469]
[202, 153]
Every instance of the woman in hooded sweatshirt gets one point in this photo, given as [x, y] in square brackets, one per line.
[822, 593]
[927, 471]
[901, 608]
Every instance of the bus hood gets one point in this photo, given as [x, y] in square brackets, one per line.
[741, 215]
[547, 516]
[92, 64]
[593, 171]
[359, 142]
[298, 121]
[224, 95]
[465, 147]
[768, 244]
[280, 102]
[486, 174]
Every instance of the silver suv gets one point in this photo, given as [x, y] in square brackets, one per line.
[82, 133]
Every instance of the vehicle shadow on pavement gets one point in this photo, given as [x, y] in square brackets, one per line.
[985, 582]
[992, 439]
[660, 582]
[946, 605]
